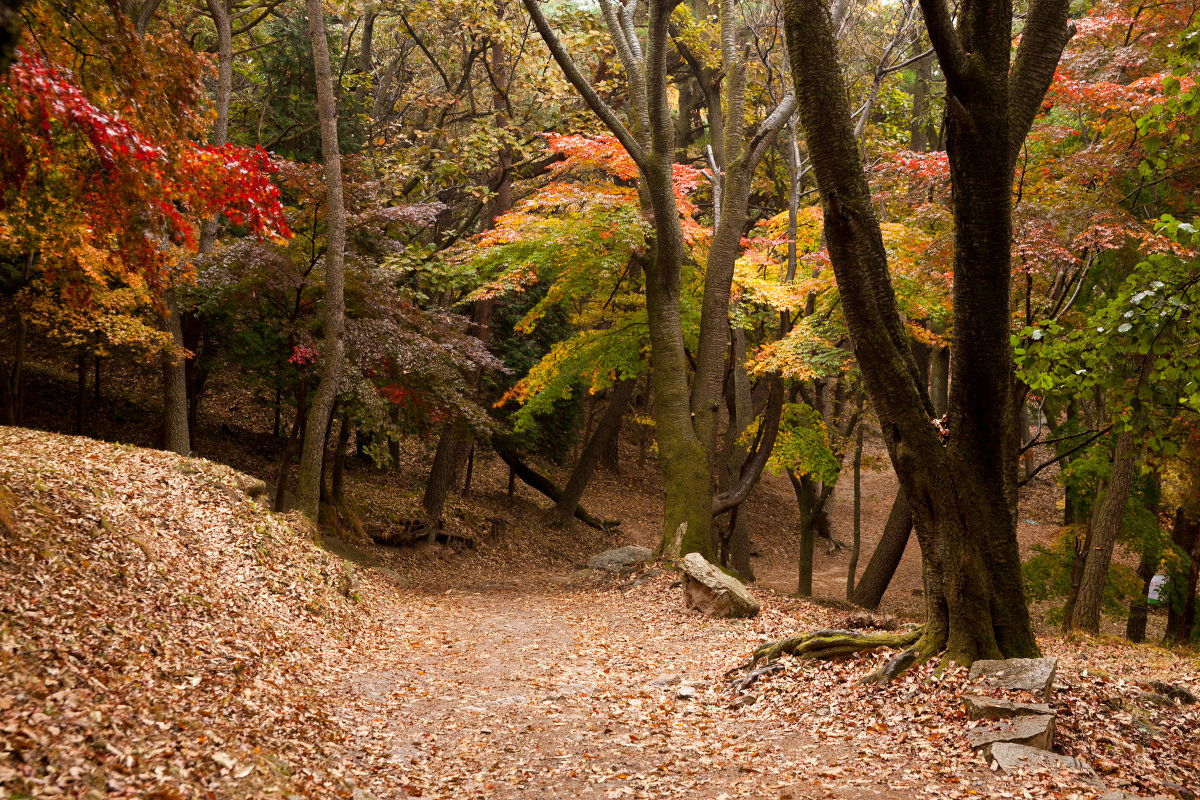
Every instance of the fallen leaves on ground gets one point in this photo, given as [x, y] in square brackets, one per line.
[164, 637]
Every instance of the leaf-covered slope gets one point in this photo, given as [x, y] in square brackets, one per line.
[158, 629]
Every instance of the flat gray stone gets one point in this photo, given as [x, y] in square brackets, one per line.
[1116, 795]
[622, 559]
[712, 592]
[1012, 757]
[981, 707]
[1035, 675]
[1035, 732]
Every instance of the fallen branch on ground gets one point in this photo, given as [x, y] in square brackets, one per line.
[535, 480]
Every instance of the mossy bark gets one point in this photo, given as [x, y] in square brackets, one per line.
[963, 494]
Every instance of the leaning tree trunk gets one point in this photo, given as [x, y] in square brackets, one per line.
[564, 509]
[963, 495]
[852, 567]
[1102, 536]
[308, 489]
[878, 575]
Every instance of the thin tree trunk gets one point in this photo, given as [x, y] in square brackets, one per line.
[441, 474]
[175, 404]
[852, 568]
[309, 480]
[289, 451]
[590, 457]
[338, 490]
[882, 566]
[81, 366]
[1139, 606]
[1105, 525]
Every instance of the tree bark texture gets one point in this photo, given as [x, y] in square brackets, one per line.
[175, 400]
[963, 495]
[590, 457]
[1102, 535]
[877, 576]
[852, 568]
[309, 482]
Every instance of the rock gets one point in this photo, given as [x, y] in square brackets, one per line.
[744, 700]
[360, 794]
[1156, 699]
[685, 692]
[714, 593]
[251, 486]
[1175, 691]
[1029, 731]
[620, 560]
[667, 680]
[348, 580]
[1012, 757]
[980, 707]
[1115, 795]
[1034, 675]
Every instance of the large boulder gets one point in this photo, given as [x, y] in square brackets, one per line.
[620, 560]
[1035, 732]
[1012, 757]
[1033, 675]
[712, 592]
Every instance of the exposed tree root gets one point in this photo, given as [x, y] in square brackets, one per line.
[831, 644]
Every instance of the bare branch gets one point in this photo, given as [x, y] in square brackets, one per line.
[600, 108]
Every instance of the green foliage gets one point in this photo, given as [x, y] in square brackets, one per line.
[803, 445]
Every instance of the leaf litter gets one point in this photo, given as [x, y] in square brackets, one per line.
[163, 636]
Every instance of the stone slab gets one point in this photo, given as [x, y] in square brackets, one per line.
[1012, 757]
[982, 707]
[1034, 675]
[1037, 732]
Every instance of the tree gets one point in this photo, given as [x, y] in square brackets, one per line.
[684, 418]
[308, 489]
[963, 494]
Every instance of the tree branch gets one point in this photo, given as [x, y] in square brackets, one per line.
[1045, 35]
[736, 494]
[584, 87]
[955, 62]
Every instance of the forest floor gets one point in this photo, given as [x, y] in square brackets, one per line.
[162, 636]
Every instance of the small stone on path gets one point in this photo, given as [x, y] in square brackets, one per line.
[621, 560]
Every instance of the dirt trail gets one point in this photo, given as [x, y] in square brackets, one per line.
[574, 692]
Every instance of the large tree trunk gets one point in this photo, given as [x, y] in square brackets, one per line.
[308, 489]
[1102, 536]
[1180, 622]
[573, 491]
[882, 566]
[963, 495]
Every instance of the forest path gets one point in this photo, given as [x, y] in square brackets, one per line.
[556, 691]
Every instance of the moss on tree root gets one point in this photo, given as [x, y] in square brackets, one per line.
[831, 644]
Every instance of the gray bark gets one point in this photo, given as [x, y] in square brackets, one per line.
[308, 486]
